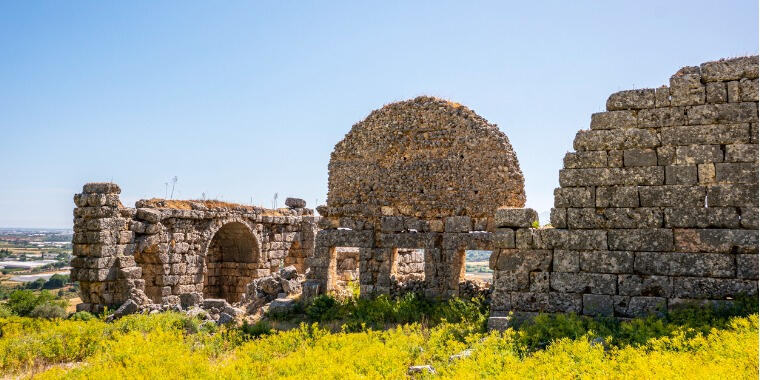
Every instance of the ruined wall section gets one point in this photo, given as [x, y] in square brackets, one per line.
[164, 251]
[657, 205]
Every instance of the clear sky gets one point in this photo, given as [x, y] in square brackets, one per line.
[241, 100]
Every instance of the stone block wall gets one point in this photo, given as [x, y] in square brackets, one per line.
[657, 205]
[171, 252]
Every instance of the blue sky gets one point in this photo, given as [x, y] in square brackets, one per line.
[245, 99]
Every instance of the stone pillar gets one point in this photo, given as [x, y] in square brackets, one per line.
[103, 248]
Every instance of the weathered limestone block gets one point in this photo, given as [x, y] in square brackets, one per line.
[566, 261]
[613, 120]
[662, 117]
[741, 153]
[606, 261]
[598, 304]
[590, 159]
[706, 134]
[558, 218]
[515, 217]
[736, 172]
[662, 97]
[595, 283]
[716, 240]
[747, 266]
[730, 69]
[650, 239]
[748, 90]
[639, 306]
[702, 217]
[639, 157]
[672, 196]
[685, 264]
[576, 197]
[722, 113]
[686, 87]
[594, 140]
[716, 93]
[295, 202]
[712, 288]
[698, 154]
[574, 240]
[681, 175]
[602, 218]
[522, 260]
[551, 302]
[650, 286]
[616, 196]
[458, 224]
[749, 217]
[631, 99]
[612, 176]
[727, 195]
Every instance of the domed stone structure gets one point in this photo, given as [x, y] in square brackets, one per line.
[426, 158]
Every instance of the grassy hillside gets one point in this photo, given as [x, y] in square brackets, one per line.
[692, 343]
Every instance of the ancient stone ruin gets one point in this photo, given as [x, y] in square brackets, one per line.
[657, 207]
[179, 252]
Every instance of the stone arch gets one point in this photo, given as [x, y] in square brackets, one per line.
[231, 259]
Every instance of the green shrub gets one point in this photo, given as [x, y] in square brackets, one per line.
[82, 316]
[23, 302]
[48, 310]
[322, 308]
[255, 330]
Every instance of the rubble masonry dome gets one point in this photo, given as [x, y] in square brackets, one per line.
[427, 158]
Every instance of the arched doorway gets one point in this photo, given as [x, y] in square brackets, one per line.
[231, 261]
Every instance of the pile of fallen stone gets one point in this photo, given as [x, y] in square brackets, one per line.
[272, 292]
[277, 289]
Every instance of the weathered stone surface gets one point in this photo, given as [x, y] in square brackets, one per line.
[639, 157]
[566, 261]
[576, 197]
[425, 151]
[702, 217]
[458, 224]
[712, 288]
[706, 134]
[730, 69]
[654, 175]
[616, 196]
[681, 175]
[524, 260]
[672, 196]
[661, 117]
[652, 239]
[747, 266]
[295, 202]
[716, 240]
[631, 99]
[574, 240]
[591, 140]
[606, 261]
[741, 153]
[736, 172]
[596, 218]
[594, 283]
[613, 120]
[722, 113]
[590, 159]
[739, 195]
[650, 286]
[515, 217]
[596, 304]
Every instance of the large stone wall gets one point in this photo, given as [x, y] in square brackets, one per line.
[176, 252]
[657, 205]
